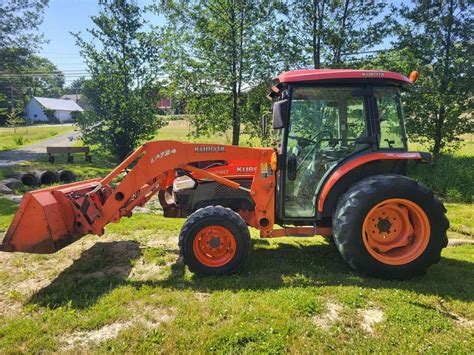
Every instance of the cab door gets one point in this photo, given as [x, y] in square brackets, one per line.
[325, 125]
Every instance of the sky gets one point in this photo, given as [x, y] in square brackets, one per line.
[65, 16]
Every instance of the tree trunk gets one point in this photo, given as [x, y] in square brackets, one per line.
[235, 115]
[439, 133]
[338, 53]
[235, 108]
[236, 136]
[318, 18]
[316, 49]
[438, 138]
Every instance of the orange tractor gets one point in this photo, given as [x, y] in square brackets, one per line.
[339, 171]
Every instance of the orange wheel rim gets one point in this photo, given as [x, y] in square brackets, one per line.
[214, 246]
[396, 231]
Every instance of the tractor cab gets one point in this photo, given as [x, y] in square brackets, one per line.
[323, 118]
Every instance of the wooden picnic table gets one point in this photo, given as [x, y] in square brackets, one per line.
[69, 151]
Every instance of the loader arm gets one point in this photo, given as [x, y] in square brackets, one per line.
[65, 213]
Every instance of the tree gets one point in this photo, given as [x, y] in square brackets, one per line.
[14, 119]
[436, 37]
[19, 38]
[51, 115]
[332, 32]
[20, 23]
[123, 85]
[75, 87]
[217, 48]
[23, 75]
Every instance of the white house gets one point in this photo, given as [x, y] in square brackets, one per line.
[62, 109]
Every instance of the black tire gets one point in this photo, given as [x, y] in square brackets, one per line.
[218, 216]
[29, 179]
[66, 176]
[355, 204]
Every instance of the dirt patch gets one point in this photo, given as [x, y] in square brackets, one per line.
[153, 316]
[369, 318]
[9, 308]
[83, 339]
[457, 242]
[150, 318]
[28, 286]
[331, 315]
[464, 322]
[201, 296]
[459, 320]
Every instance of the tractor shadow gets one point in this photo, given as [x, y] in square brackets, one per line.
[98, 270]
[302, 265]
[108, 265]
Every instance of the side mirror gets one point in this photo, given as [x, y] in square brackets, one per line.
[280, 114]
[291, 168]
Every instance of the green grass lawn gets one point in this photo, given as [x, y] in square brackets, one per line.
[128, 291]
[28, 135]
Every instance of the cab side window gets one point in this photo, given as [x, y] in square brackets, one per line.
[392, 131]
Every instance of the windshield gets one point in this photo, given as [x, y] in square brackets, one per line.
[392, 131]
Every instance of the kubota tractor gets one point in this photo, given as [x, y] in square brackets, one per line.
[339, 171]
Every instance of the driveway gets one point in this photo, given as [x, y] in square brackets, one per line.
[37, 150]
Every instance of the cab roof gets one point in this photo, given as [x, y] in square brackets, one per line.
[338, 75]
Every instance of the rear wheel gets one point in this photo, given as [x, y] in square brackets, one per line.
[214, 241]
[390, 226]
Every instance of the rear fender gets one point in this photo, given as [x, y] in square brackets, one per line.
[358, 168]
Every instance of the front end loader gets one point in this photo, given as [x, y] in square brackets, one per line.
[339, 170]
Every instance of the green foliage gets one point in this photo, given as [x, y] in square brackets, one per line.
[450, 177]
[75, 87]
[19, 39]
[51, 115]
[436, 39]
[122, 91]
[212, 50]
[18, 140]
[331, 32]
[17, 86]
[15, 119]
[20, 22]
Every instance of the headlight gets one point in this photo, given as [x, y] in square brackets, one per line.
[183, 182]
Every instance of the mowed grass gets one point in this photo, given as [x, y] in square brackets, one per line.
[129, 291]
[28, 135]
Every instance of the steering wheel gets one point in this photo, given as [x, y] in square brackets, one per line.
[316, 139]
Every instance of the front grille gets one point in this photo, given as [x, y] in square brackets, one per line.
[222, 191]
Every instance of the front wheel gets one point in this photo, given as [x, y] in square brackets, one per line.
[214, 241]
[390, 226]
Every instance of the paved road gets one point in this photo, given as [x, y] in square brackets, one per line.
[36, 150]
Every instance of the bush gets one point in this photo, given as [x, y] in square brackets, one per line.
[19, 140]
[451, 177]
[52, 119]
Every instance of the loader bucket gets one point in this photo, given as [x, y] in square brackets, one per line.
[45, 220]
